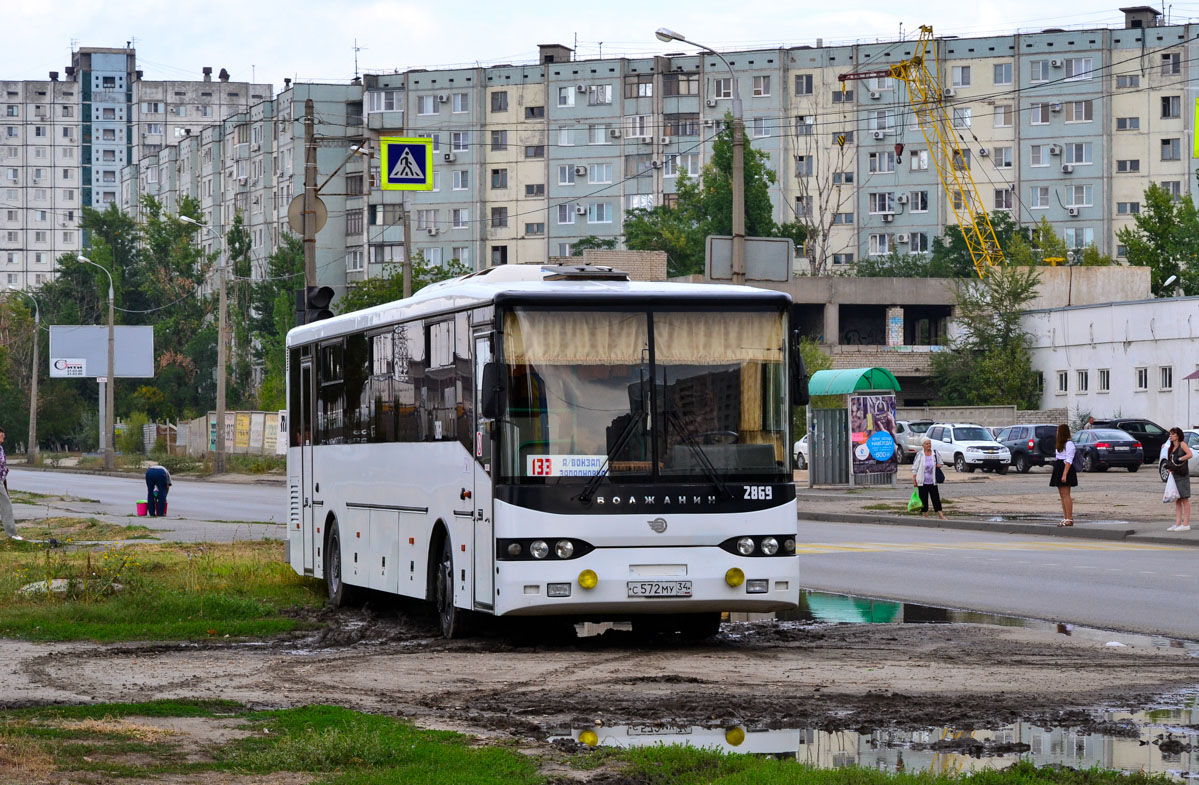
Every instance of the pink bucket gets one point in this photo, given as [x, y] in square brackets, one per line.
[143, 509]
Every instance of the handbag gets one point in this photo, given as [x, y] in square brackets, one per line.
[940, 476]
[1171, 494]
[914, 503]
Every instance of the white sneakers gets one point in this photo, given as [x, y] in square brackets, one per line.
[16, 537]
[1177, 528]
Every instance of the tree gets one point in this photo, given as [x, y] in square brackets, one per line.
[990, 359]
[593, 243]
[897, 265]
[272, 314]
[825, 196]
[704, 206]
[950, 251]
[389, 286]
[1165, 238]
[814, 359]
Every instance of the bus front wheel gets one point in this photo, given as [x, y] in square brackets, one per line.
[339, 593]
[453, 619]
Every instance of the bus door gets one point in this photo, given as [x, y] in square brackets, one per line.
[307, 523]
[484, 550]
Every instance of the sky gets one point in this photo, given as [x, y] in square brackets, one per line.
[267, 40]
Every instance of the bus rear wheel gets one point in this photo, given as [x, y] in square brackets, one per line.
[452, 619]
[338, 592]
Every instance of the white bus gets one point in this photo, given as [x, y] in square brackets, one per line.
[550, 441]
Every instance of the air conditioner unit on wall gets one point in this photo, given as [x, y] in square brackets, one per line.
[709, 123]
[614, 133]
[875, 95]
[450, 158]
[901, 238]
[983, 152]
[948, 92]
[902, 199]
[581, 209]
[1072, 212]
[710, 102]
[442, 98]
[582, 88]
[1056, 62]
[879, 134]
[1055, 107]
[580, 170]
[1067, 168]
[665, 140]
[888, 217]
[1055, 149]
[433, 231]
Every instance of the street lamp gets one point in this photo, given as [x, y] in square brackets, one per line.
[31, 452]
[110, 380]
[218, 456]
[667, 35]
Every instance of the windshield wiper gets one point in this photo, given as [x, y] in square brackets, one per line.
[700, 456]
[589, 489]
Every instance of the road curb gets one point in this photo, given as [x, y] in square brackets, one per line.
[251, 479]
[1007, 527]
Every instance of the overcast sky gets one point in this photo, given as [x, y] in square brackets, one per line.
[268, 40]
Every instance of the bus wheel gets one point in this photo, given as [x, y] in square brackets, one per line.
[339, 593]
[453, 620]
[699, 626]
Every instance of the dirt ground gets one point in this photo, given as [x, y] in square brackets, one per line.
[759, 674]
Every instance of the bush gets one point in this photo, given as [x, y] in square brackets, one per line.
[179, 463]
[130, 441]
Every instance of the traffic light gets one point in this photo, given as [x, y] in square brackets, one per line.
[312, 304]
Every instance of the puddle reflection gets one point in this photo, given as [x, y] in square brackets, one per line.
[1161, 741]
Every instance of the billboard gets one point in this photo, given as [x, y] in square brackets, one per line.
[872, 434]
[81, 352]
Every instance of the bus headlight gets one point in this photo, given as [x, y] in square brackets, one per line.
[770, 546]
[514, 549]
[734, 577]
[745, 546]
[588, 579]
[539, 549]
[564, 549]
[789, 545]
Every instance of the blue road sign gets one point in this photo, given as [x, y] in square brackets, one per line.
[407, 164]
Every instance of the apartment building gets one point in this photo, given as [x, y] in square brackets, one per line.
[64, 143]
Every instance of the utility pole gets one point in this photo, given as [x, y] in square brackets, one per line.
[218, 458]
[310, 194]
[106, 440]
[407, 268]
[31, 453]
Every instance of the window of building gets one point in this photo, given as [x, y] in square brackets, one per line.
[1063, 381]
[803, 84]
[1039, 155]
[376, 101]
[761, 127]
[1002, 157]
[599, 95]
[535, 151]
[1128, 208]
[1038, 114]
[1128, 81]
[1039, 197]
[880, 244]
[426, 219]
[1129, 165]
[535, 229]
[535, 190]
[1142, 377]
[804, 165]
[599, 213]
[1038, 71]
[1002, 73]
[1078, 195]
[842, 138]
[499, 141]
[680, 84]
[1078, 153]
[682, 125]
[687, 163]
[1173, 187]
[1128, 123]
[459, 141]
[881, 162]
[1105, 380]
[842, 219]
[1079, 111]
[460, 102]
[1171, 106]
[534, 112]
[960, 75]
[882, 202]
[639, 86]
[426, 104]
[961, 117]
[918, 160]
[566, 96]
[1003, 115]
[1171, 63]
[761, 85]
[1003, 198]
[566, 174]
[722, 88]
[1171, 150]
[1078, 68]
[499, 100]
[459, 217]
[565, 137]
[842, 178]
[566, 214]
[499, 255]
[499, 179]
[842, 258]
[1167, 377]
[1082, 381]
[461, 179]
[499, 217]
[599, 173]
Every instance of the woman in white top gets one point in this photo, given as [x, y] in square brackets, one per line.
[1064, 476]
[924, 477]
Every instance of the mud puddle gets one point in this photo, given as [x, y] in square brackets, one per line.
[1158, 741]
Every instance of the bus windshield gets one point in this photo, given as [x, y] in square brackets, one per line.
[643, 395]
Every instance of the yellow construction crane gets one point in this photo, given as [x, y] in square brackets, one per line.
[927, 99]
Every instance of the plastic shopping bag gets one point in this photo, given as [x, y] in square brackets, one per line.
[915, 504]
[1171, 494]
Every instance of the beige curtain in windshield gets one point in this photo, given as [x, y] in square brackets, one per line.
[583, 338]
[717, 338]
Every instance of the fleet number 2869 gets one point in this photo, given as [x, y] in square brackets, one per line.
[759, 492]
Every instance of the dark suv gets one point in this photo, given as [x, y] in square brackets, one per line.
[1151, 435]
[1031, 445]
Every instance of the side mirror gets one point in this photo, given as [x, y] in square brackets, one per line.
[490, 388]
[799, 374]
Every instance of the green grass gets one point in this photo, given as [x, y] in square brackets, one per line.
[166, 592]
[343, 747]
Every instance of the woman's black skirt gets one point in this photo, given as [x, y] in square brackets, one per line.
[1055, 480]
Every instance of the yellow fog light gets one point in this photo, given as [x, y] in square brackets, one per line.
[590, 738]
[588, 580]
[734, 736]
[734, 577]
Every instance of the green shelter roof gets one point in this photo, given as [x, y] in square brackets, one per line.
[850, 380]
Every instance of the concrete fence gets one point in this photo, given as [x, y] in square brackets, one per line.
[991, 416]
[246, 432]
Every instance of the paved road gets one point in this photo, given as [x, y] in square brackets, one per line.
[1115, 585]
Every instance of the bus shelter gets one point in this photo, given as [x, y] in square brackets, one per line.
[853, 444]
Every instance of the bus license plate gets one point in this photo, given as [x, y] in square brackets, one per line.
[659, 588]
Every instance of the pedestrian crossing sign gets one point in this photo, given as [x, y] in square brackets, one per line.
[407, 164]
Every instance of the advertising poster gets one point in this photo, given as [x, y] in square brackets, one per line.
[241, 432]
[872, 434]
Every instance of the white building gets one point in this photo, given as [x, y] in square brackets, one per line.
[1120, 359]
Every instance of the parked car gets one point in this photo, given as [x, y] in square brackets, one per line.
[1151, 435]
[1031, 445]
[1192, 438]
[908, 436]
[801, 453]
[969, 446]
[1099, 449]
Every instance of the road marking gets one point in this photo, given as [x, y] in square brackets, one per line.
[1023, 545]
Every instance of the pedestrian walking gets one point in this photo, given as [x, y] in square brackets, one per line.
[1177, 459]
[10, 524]
[1064, 476]
[1090, 423]
[158, 482]
[926, 476]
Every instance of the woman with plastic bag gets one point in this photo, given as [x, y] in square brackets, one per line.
[1178, 484]
[926, 476]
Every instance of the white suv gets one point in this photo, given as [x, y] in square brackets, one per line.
[969, 446]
